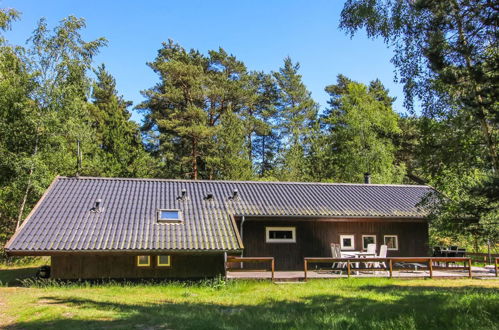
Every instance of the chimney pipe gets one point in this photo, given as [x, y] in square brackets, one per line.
[367, 178]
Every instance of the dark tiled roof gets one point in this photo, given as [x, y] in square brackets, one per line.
[64, 221]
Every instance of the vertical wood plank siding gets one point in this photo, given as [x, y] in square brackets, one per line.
[85, 266]
[313, 239]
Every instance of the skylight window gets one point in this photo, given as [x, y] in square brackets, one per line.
[174, 216]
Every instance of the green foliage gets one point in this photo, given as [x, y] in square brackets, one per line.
[359, 129]
[446, 56]
[297, 114]
[204, 115]
[44, 111]
[121, 152]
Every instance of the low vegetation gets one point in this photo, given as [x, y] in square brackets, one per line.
[341, 304]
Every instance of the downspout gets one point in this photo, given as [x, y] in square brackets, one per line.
[242, 236]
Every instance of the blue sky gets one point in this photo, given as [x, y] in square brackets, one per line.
[260, 33]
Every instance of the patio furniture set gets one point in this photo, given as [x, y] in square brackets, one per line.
[369, 253]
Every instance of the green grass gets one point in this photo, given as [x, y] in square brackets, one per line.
[318, 304]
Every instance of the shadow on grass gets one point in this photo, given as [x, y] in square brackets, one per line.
[409, 307]
[10, 277]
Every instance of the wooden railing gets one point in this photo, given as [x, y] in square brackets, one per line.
[484, 258]
[250, 260]
[390, 264]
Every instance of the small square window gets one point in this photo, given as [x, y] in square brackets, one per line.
[368, 239]
[143, 261]
[392, 242]
[163, 261]
[347, 242]
[174, 216]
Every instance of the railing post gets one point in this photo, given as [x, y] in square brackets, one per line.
[496, 265]
[348, 267]
[391, 267]
[273, 267]
[430, 267]
[305, 264]
[469, 267]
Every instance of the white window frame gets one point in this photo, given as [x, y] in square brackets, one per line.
[365, 247]
[352, 237]
[396, 242]
[169, 220]
[280, 240]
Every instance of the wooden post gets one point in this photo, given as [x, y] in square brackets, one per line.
[272, 269]
[348, 267]
[496, 265]
[430, 267]
[305, 264]
[469, 267]
[391, 267]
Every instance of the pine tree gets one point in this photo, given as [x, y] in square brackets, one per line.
[297, 112]
[121, 150]
[358, 134]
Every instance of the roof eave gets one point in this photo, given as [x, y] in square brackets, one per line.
[135, 252]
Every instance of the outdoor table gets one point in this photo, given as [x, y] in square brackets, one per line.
[357, 254]
[448, 253]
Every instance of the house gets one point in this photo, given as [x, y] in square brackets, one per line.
[154, 228]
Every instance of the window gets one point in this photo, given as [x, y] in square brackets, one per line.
[163, 261]
[368, 239]
[280, 234]
[174, 216]
[392, 242]
[143, 261]
[347, 242]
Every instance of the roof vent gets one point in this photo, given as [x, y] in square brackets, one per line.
[183, 195]
[367, 178]
[235, 194]
[208, 197]
[97, 206]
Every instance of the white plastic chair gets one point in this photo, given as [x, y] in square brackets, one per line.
[371, 249]
[336, 253]
[383, 249]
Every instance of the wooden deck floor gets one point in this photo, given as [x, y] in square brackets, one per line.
[477, 272]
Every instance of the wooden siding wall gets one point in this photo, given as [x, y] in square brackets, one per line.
[313, 239]
[120, 266]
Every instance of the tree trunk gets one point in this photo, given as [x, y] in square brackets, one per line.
[28, 187]
[194, 162]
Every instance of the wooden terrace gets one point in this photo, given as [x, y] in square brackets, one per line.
[393, 267]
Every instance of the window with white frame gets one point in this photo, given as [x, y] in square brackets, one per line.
[368, 239]
[347, 242]
[280, 234]
[169, 216]
[391, 241]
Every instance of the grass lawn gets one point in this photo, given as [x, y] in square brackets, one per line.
[324, 304]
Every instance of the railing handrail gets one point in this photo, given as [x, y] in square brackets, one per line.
[428, 260]
[253, 259]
